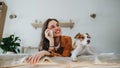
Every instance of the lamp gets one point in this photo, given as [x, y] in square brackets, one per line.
[93, 15]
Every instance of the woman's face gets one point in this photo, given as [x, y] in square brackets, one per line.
[54, 26]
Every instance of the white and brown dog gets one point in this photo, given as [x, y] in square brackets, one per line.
[81, 46]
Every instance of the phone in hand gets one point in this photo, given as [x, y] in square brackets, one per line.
[51, 33]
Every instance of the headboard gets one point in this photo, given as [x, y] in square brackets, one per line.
[29, 50]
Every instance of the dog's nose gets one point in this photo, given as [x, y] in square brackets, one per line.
[88, 41]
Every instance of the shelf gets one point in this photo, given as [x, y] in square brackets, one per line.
[69, 24]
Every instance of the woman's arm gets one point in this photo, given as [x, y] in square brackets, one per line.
[52, 50]
[66, 43]
[35, 59]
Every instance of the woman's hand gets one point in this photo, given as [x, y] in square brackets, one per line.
[35, 59]
[49, 34]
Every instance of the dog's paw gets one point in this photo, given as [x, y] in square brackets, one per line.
[74, 59]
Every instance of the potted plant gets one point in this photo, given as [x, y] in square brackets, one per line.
[10, 44]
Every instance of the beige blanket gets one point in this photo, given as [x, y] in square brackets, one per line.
[91, 61]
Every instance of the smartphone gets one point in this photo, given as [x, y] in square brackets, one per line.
[51, 33]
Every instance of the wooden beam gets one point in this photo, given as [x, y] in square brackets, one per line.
[69, 24]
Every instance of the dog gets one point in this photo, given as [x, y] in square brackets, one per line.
[81, 46]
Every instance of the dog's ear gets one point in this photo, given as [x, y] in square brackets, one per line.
[77, 35]
[88, 35]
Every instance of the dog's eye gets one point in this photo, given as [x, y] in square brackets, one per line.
[88, 37]
[82, 37]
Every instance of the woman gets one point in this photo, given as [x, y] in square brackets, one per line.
[53, 43]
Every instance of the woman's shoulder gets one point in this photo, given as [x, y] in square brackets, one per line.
[66, 37]
[66, 41]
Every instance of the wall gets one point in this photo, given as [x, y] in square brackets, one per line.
[104, 29]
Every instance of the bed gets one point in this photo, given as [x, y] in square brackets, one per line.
[103, 60]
